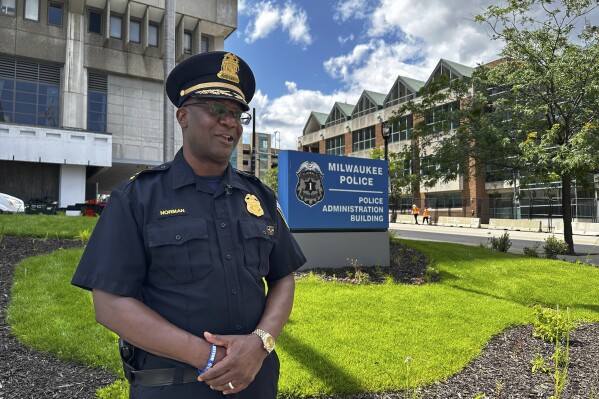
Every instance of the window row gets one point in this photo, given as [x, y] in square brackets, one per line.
[31, 10]
[336, 145]
[29, 103]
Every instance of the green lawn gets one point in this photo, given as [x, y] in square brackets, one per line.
[341, 338]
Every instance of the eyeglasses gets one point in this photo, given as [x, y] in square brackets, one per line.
[219, 110]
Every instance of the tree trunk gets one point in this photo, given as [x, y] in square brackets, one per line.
[567, 212]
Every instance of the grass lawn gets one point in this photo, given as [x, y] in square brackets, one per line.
[341, 338]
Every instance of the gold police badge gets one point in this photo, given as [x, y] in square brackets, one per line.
[253, 205]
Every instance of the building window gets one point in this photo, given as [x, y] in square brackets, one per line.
[55, 14]
[153, 35]
[336, 145]
[402, 129]
[8, 7]
[29, 93]
[32, 10]
[116, 26]
[97, 95]
[95, 22]
[187, 42]
[134, 31]
[443, 118]
[205, 44]
[363, 139]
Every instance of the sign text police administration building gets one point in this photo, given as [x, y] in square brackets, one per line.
[344, 196]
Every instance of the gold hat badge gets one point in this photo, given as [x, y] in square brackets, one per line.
[229, 68]
[253, 205]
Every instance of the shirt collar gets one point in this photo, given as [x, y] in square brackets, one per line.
[183, 175]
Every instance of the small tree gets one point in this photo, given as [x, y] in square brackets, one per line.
[399, 182]
[271, 179]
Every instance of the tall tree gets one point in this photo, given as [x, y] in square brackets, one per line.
[551, 80]
[530, 116]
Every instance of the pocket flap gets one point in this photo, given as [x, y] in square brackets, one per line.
[252, 228]
[176, 233]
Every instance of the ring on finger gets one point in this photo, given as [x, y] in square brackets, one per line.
[231, 385]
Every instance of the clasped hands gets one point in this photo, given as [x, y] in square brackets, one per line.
[243, 359]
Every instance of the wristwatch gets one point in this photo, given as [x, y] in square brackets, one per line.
[267, 340]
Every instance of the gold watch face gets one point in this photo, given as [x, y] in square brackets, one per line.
[269, 343]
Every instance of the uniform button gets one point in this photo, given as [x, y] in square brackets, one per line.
[228, 257]
[177, 237]
[223, 225]
[234, 291]
[238, 327]
[162, 166]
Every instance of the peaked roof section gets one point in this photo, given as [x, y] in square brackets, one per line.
[340, 112]
[316, 121]
[455, 69]
[345, 107]
[370, 97]
[377, 98]
[411, 85]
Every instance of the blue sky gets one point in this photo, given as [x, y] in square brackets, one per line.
[306, 55]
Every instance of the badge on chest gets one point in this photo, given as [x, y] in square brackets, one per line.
[253, 205]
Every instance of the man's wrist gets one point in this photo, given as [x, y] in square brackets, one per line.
[268, 341]
[210, 361]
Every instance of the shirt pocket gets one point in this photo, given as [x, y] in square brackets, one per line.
[180, 252]
[258, 240]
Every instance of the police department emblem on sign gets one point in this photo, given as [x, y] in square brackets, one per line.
[309, 187]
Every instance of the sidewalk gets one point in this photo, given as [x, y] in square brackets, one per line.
[484, 231]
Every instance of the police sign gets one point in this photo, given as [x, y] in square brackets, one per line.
[329, 192]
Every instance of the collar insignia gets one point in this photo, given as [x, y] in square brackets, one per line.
[229, 68]
[253, 205]
[270, 230]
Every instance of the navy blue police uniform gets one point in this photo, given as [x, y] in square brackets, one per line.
[196, 254]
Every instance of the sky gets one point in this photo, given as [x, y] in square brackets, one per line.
[308, 54]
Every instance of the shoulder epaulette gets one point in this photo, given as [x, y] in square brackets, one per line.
[159, 168]
[246, 174]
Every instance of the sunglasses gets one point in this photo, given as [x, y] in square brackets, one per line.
[219, 110]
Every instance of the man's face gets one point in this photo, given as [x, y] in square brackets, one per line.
[210, 129]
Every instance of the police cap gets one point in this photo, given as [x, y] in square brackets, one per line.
[216, 74]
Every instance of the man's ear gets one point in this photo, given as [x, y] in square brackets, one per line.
[182, 117]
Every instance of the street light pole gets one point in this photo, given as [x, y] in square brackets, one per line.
[386, 132]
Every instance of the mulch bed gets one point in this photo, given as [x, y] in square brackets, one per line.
[503, 370]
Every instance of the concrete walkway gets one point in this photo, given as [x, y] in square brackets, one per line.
[587, 246]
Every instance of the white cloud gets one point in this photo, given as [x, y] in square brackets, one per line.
[391, 38]
[343, 40]
[350, 9]
[289, 113]
[291, 86]
[265, 22]
[268, 16]
[295, 21]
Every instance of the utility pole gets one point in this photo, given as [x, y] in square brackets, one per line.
[253, 152]
[168, 145]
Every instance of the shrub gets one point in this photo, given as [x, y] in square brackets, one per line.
[551, 325]
[554, 246]
[532, 252]
[501, 243]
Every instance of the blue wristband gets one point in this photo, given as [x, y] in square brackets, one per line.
[210, 360]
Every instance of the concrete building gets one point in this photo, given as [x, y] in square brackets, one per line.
[81, 89]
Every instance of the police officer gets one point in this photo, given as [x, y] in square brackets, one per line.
[178, 259]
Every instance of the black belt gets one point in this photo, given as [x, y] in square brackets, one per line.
[160, 377]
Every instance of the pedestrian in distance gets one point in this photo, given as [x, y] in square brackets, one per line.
[191, 263]
[415, 212]
[425, 216]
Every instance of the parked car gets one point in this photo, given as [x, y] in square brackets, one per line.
[11, 204]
